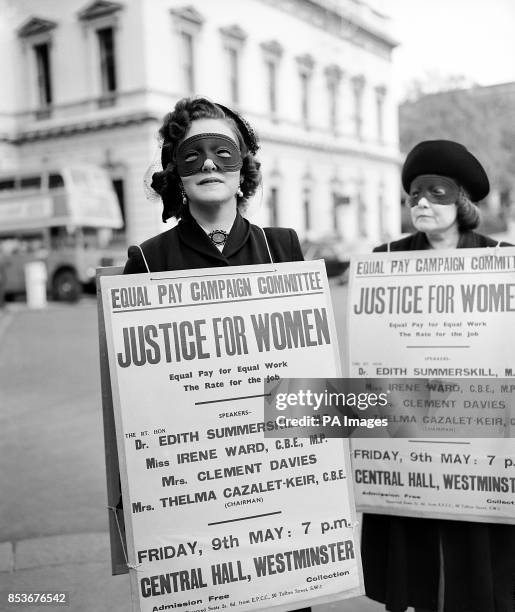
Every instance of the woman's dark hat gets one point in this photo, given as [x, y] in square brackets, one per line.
[446, 158]
[249, 136]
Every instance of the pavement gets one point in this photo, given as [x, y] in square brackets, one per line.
[53, 520]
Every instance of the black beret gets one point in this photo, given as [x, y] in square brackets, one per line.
[446, 158]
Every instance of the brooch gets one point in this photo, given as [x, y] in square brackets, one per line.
[218, 237]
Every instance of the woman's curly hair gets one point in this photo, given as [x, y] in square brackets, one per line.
[167, 183]
[467, 214]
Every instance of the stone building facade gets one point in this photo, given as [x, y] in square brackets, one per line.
[90, 81]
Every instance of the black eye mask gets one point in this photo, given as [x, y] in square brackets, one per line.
[437, 189]
[220, 149]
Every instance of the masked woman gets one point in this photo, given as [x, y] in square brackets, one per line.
[209, 172]
[430, 564]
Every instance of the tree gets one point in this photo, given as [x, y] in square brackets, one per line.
[481, 118]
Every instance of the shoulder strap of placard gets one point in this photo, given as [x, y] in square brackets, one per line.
[144, 258]
[267, 245]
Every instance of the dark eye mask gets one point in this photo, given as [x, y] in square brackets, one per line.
[220, 149]
[437, 189]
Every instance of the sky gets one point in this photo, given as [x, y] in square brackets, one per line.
[474, 38]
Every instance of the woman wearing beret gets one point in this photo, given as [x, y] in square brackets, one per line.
[209, 172]
[440, 565]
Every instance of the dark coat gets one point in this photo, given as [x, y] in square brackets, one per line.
[187, 246]
[419, 242]
[401, 556]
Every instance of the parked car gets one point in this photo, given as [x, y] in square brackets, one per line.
[329, 249]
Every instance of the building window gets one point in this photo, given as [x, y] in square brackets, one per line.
[362, 214]
[305, 64]
[332, 90]
[233, 38]
[304, 98]
[380, 96]
[44, 77]
[107, 61]
[188, 61]
[272, 52]
[358, 84]
[120, 194]
[234, 70]
[273, 206]
[306, 197]
[340, 200]
[188, 22]
[100, 22]
[336, 216]
[306, 204]
[119, 188]
[271, 69]
[333, 75]
[36, 34]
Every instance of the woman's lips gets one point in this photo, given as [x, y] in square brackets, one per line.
[207, 181]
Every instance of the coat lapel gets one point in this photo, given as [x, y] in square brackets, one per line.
[195, 238]
[238, 236]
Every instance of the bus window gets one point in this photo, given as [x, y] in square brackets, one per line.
[27, 243]
[90, 235]
[34, 244]
[7, 184]
[55, 181]
[9, 245]
[30, 182]
[61, 238]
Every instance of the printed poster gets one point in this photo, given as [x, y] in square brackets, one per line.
[438, 315]
[218, 516]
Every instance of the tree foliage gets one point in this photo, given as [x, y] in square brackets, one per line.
[481, 118]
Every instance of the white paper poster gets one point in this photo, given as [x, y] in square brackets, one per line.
[438, 315]
[218, 515]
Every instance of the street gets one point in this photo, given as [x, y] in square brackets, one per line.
[51, 423]
[53, 532]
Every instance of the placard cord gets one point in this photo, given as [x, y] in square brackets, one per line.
[144, 258]
[267, 247]
[133, 566]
